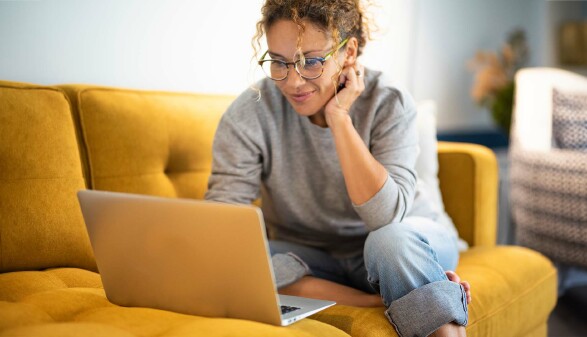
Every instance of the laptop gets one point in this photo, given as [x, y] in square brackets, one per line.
[188, 256]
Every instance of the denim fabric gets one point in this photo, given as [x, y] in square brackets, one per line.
[405, 263]
[425, 309]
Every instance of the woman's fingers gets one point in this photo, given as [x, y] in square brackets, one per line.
[356, 75]
[353, 87]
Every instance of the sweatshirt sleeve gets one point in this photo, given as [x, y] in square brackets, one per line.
[394, 144]
[236, 164]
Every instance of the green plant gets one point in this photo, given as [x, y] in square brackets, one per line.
[494, 85]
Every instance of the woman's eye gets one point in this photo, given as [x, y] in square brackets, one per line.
[310, 63]
[277, 64]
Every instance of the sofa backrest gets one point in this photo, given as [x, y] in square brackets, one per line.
[41, 224]
[146, 142]
[532, 119]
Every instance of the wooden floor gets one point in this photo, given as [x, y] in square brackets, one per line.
[569, 318]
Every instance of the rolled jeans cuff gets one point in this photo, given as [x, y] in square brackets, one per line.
[288, 268]
[422, 311]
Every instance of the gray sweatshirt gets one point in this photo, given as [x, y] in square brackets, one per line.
[264, 148]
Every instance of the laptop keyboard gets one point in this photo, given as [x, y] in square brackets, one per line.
[285, 309]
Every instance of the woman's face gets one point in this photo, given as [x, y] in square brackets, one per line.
[308, 97]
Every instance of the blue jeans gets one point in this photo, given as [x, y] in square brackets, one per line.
[403, 262]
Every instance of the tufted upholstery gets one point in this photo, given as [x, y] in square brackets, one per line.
[71, 303]
[41, 225]
[160, 143]
[173, 161]
[505, 303]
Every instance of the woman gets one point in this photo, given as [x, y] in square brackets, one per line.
[331, 149]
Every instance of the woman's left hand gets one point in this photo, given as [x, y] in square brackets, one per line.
[354, 85]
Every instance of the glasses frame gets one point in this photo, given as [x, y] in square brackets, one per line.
[296, 63]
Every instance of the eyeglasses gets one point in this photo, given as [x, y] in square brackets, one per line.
[309, 68]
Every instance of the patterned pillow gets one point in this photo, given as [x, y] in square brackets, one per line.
[569, 119]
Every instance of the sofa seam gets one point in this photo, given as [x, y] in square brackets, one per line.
[51, 278]
[168, 152]
[41, 178]
[1, 255]
[82, 129]
[476, 183]
[33, 87]
[473, 196]
[476, 195]
[144, 174]
[83, 153]
[91, 310]
[147, 91]
[525, 293]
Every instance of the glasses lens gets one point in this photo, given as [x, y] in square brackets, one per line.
[312, 68]
[275, 70]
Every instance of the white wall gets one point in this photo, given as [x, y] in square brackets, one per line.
[559, 12]
[170, 45]
[204, 46]
[182, 45]
[448, 33]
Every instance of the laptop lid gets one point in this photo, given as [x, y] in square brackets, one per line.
[188, 256]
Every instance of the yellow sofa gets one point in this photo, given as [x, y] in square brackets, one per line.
[60, 139]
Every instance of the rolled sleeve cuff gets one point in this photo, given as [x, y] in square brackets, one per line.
[380, 209]
[288, 269]
[424, 310]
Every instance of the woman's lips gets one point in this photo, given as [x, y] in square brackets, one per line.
[299, 98]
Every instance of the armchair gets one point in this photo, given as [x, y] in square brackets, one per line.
[548, 179]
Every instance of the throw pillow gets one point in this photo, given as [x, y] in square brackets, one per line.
[569, 119]
[427, 163]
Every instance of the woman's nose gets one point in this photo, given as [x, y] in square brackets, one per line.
[294, 79]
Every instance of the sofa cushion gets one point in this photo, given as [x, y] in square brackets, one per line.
[147, 142]
[41, 225]
[513, 290]
[71, 302]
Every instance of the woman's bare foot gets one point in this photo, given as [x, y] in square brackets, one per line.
[450, 330]
[313, 287]
[317, 288]
[452, 276]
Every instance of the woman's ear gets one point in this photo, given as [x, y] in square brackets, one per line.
[351, 52]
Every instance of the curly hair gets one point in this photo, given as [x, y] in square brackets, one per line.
[342, 18]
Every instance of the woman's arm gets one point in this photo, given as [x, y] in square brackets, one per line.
[236, 164]
[379, 177]
[364, 176]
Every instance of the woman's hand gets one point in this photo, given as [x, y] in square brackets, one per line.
[340, 104]
[452, 276]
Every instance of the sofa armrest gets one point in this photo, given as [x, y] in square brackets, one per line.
[468, 175]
